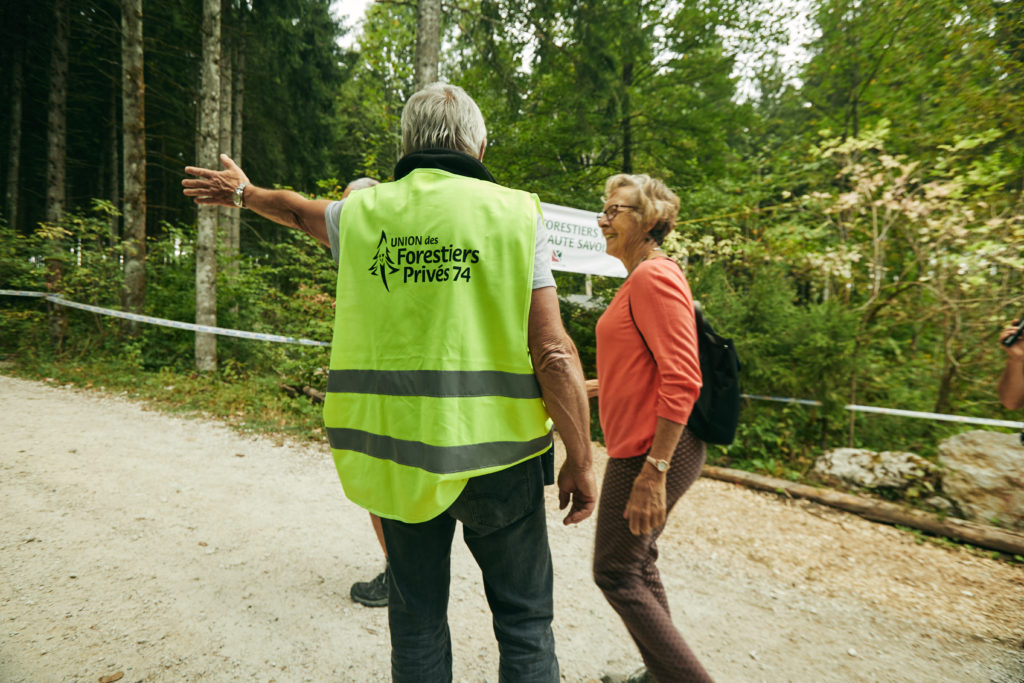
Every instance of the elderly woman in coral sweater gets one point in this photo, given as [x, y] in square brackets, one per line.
[649, 377]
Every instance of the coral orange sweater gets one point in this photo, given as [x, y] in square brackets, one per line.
[634, 389]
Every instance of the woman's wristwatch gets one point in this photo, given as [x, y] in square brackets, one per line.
[660, 465]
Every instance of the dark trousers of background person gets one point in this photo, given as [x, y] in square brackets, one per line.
[625, 569]
[504, 527]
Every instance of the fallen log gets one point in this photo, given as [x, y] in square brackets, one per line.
[981, 535]
[315, 394]
[294, 390]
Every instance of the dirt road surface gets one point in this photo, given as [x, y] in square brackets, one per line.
[174, 549]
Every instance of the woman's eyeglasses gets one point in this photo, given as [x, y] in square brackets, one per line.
[611, 211]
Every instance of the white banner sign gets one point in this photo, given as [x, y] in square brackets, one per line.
[577, 244]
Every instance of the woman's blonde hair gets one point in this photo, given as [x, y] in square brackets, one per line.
[655, 201]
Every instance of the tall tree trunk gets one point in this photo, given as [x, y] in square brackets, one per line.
[56, 159]
[945, 387]
[206, 241]
[113, 148]
[14, 139]
[238, 100]
[133, 98]
[627, 118]
[224, 130]
[56, 162]
[428, 42]
[951, 365]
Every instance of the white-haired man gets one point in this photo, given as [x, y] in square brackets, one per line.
[448, 357]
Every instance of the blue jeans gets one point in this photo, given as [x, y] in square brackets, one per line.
[504, 527]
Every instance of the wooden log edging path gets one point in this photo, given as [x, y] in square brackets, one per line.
[982, 535]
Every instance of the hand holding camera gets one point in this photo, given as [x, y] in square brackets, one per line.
[1015, 333]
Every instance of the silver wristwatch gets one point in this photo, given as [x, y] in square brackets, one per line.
[660, 465]
[239, 196]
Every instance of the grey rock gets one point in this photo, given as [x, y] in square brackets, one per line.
[984, 475]
[870, 469]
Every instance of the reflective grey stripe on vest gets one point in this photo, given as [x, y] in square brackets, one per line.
[436, 383]
[436, 459]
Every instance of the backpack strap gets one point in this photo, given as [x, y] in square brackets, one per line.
[629, 302]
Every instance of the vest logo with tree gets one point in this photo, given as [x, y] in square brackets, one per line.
[382, 263]
[422, 260]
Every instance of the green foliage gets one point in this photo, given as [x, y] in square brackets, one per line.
[16, 271]
[294, 71]
[936, 69]
[90, 273]
[574, 92]
[771, 327]
[873, 286]
[287, 288]
[370, 103]
[20, 319]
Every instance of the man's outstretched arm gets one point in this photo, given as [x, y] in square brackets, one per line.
[281, 206]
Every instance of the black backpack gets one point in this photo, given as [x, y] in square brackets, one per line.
[717, 410]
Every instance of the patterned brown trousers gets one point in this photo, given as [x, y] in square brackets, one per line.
[625, 569]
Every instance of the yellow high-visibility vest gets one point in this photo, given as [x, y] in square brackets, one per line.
[431, 381]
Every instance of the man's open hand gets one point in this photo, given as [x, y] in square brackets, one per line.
[214, 187]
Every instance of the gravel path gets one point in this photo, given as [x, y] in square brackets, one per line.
[172, 549]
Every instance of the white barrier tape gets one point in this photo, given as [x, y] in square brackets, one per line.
[223, 331]
[896, 411]
[937, 416]
[776, 399]
[309, 342]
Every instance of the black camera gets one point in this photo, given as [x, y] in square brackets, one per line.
[1012, 339]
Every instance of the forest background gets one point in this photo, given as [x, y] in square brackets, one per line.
[854, 220]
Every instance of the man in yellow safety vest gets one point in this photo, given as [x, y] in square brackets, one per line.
[449, 357]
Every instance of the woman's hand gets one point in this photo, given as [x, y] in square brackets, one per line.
[591, 388]
[646, 507]
[645, 510]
